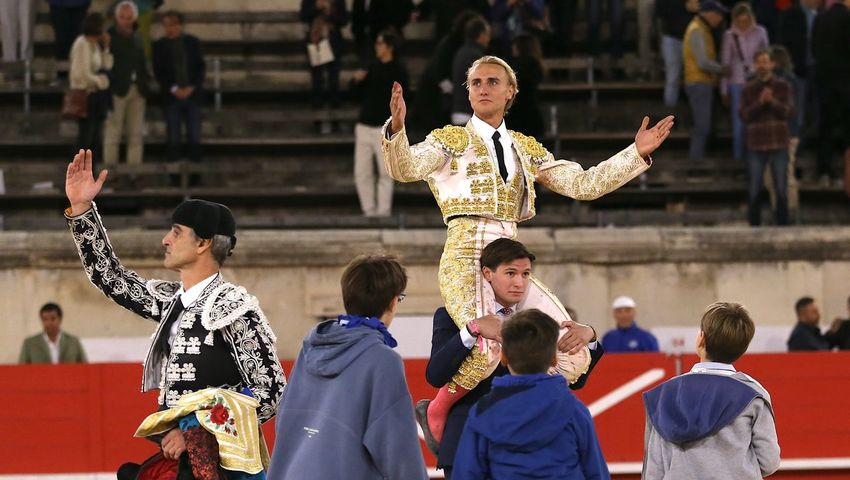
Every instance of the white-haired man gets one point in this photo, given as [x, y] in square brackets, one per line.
[482, 176]
[129, 85]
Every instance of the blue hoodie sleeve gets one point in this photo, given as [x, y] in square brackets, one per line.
[391, 436]
[590, 453]
[471, 459]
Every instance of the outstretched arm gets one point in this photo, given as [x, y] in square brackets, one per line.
[404, 162]
[80, 185]
[124, 287]
[571, 180]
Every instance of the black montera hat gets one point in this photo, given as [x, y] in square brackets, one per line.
[207, 219]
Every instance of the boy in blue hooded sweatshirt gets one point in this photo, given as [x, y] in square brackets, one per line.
[713, 422]
[347, 411]
[530, 425]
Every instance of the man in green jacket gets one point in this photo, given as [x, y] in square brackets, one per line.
[52, 345]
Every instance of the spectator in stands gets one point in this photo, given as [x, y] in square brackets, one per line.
[375, 88]
[52, 345]
[144, 21]
[347, 411]
[795, 33]
[627, 336]
[562, 17]
[509, 18]
[371, 17]
[646, 27]
[446, 13]
[785, 71]
[324, 20]
[66, 16]
[527, 61]
[129, 86]
[714, 421]
[806, 335]
[477, 39]
[674, 17]
[740, 44]
[179, 68]
[831, 49]
[767, 104]
[432, 105]
[550, 433]
[702, 71]
[17, 22]
[839, 332]
[91, 62]
[616, 27]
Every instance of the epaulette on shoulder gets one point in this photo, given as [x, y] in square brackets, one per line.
[452, 138]
[227, 303]
[162, 290]
[530, 146]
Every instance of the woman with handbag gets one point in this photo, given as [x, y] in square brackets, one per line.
[90, 64]
[740, 44]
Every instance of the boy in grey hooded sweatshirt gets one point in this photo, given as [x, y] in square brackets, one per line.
[347, 412]
[713, 422]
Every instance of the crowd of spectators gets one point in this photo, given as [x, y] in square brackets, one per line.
[708, 48]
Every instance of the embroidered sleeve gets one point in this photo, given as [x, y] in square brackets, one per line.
[124, 287]
[253, 348]
[569, 179]
[407, 163]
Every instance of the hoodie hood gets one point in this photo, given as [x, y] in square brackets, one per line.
[525, 411]
[330, 347]
[693, 406]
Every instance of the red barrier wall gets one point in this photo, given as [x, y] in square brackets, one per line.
[80, 418]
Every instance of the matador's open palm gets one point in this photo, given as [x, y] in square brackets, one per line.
[398, 109]
[647, 141]
[80, 185]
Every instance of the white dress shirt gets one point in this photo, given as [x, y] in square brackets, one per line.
[188, 299]
[53, 347]
[485, 131]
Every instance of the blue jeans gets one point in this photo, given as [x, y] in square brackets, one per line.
[671, 52]
[177, 113]
[739, 132]
[616, 26]
[701, 100]
[778, 161]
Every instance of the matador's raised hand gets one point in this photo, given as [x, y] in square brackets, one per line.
[647, 141]
[398, 109]
[80, 185]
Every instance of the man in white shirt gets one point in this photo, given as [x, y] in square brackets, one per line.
[210, 333]
[52, 345]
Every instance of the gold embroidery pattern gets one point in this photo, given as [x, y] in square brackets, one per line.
[409, 164]
[568, 178]
[530, 146]
[452, 138]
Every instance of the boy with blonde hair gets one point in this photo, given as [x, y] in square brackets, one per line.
[714, 421]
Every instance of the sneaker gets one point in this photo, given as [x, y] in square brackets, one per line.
[422, 419]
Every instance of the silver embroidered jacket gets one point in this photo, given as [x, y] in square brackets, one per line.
[224, 339]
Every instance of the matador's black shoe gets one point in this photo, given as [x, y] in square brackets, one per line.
[422, 419]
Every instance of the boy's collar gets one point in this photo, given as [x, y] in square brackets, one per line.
[703, 367]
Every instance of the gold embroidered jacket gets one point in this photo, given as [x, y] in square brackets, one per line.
[457, 166]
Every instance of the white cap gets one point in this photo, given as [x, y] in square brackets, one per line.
[623, 302]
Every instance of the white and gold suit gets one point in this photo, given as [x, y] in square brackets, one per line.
[479, 207]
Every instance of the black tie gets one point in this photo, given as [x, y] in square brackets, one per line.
[165, 333]
[500, 156]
